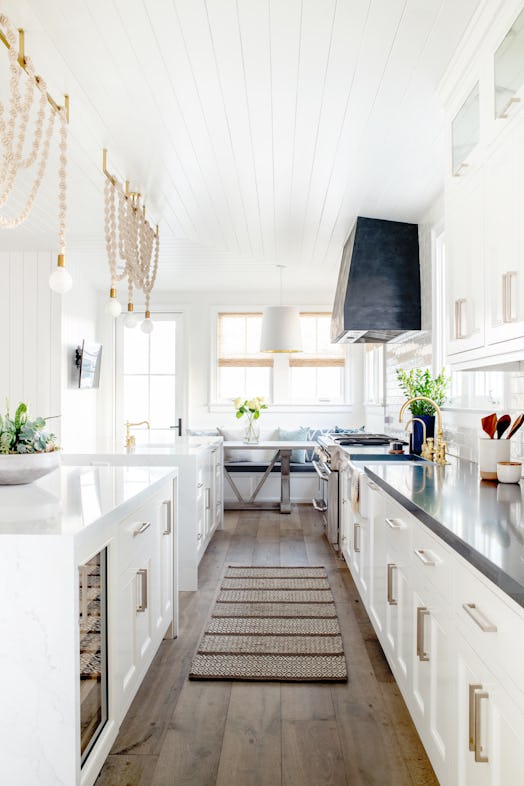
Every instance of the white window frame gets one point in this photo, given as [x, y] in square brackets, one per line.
[215, 405]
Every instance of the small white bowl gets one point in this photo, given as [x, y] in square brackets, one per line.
[509, 471]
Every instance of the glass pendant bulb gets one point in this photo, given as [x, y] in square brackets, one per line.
[60, 280]
[130, 319]
[113, 307]
[147, 325]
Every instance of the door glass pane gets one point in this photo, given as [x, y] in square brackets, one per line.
[465, 129]
[136, 398]
[136, 351]
[509, 66]
[162, 347]
[162, 401]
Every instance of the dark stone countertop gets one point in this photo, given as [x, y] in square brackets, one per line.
[481, 520]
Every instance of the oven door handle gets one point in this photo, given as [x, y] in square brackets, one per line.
[320, 470]
[319, 505]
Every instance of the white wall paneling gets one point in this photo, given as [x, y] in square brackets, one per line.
[30, 334]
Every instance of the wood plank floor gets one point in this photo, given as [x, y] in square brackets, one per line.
[181, 733]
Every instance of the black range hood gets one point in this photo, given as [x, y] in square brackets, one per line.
[378, 290]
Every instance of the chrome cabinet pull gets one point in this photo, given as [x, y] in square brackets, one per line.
[459, 169]
[395, 523]
[168, 507]
[141, 528]
[459, 332]
[391, 599]
[510, 277]
[471, 715]
[505, 112]
[477, 616]
[142, 575]
[479, 756]
[356, 544]
[208, 498]
[422, 554]
[505, 317]
[422, 612]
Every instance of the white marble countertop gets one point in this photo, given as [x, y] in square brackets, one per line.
[160, 450]
[70, 499]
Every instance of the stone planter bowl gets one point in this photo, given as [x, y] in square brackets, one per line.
[17, 469]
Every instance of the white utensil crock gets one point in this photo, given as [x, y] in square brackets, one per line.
[491, 451]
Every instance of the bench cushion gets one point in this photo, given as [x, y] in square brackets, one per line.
[251, 466]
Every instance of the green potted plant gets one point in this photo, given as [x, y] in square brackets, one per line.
[419, 382]
[27, 451]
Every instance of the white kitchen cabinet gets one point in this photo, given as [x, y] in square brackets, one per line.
[504, 239]
[489, 726]
[432, 687]
[484, 192]
[200, 497]
[63, 540]
[378, 585]
[144, 590]
[417, 592]
[465, 267]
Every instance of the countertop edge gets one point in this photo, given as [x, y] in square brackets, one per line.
[496, 575]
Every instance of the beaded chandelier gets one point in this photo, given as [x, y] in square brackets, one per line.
[15, 158]
[132, 247]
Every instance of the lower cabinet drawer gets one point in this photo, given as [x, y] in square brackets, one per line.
[433, 560]
[136, 531]
[493, 628]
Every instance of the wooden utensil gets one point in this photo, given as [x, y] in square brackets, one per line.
[489, 424]
[502, 424]
[517, 423]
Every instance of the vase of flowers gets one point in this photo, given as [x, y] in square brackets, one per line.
[419, 382]
[250, 409]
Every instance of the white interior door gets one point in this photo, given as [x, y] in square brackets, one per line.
[150, 380]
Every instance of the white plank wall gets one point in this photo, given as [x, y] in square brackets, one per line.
[30, 334]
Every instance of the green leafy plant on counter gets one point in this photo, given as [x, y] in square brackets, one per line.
[21, 435]
[419, 382]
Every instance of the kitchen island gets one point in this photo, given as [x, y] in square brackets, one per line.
[199, 460]
[89, 589]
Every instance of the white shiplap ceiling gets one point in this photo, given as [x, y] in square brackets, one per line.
[256, 129]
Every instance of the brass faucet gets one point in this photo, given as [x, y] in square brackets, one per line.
[427, 443]
[130, 438]
[440, 445]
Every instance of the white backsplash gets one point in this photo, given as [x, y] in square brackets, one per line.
[462, 425]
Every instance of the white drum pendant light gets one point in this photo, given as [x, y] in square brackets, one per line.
[281, 327]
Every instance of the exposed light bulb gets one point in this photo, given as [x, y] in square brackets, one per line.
[113, 307]
[60, 280]
[147, 325]
[130, 320]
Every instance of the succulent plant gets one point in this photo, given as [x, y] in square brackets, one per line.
[21, 435]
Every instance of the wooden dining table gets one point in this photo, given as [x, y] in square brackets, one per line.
[282, 450]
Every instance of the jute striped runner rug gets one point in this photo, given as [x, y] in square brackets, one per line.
[272, 624]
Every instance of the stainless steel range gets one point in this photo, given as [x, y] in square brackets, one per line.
[327, 461]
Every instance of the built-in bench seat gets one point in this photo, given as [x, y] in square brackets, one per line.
[251, 466]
